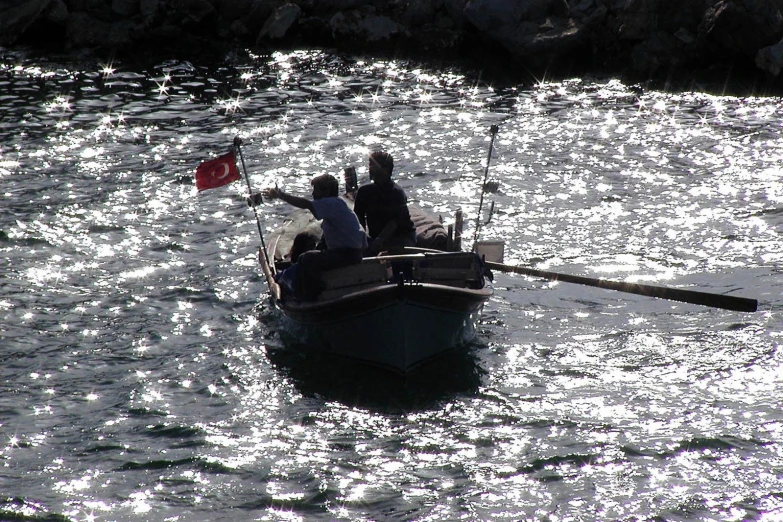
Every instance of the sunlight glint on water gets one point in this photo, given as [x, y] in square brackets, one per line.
[144, 376]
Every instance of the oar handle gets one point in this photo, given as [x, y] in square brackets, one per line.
[727, 302]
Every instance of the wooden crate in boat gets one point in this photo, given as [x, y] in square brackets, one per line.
[353, 278]
[451, 269]
[460, 277]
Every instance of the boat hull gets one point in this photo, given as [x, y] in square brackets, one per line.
[397, 327]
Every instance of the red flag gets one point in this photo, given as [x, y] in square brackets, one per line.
[217, 172]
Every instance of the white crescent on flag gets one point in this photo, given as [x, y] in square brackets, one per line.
[225, 171]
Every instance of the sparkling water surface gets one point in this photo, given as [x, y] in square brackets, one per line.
[144, 376]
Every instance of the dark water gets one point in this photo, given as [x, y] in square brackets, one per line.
[143, 373]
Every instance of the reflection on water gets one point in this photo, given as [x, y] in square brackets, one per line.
[360, 385]
[144, 376]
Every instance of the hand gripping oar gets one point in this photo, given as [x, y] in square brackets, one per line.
[727, 302]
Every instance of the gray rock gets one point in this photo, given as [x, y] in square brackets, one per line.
[454, 9]
[489, 15]
[334, 6]
[235, 9]
[280, 22]
[593, 15]
[239, 29]
[371, 28]
[379, 28]
[84, 30]
[742, 27]
[195, 10]
[85, 5]
[125, 7]
[634, 19]
[56, 12]
[513, 22]
[685, 36]
[673, 15]
[259, 13]
[623, 35]
[583, 6]
[532, 30]
[16, 17]
[660, 51]
[770, 58]
[149, 7]
[555, 42]
[421, 12]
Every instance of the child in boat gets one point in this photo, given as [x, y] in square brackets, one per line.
[344, 237]
[382, 207]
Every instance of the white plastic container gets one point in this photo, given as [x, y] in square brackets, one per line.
[491, 250]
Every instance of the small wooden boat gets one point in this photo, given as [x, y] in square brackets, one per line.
[395, 310]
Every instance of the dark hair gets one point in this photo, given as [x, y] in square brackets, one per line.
[384, 160]
[327, 183]
[303, 242]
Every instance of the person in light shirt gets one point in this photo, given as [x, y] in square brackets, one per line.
[342, 233]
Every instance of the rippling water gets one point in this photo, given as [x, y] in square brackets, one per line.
[143, 376]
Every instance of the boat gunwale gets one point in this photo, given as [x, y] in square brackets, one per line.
[360, 302]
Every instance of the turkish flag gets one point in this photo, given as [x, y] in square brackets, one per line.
[217, 172]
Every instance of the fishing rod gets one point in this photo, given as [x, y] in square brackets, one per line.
[493, 130]
[238, 145]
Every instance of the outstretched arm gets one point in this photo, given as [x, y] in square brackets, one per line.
[276, 193]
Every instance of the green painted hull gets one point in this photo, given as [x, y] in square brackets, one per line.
[394, 326]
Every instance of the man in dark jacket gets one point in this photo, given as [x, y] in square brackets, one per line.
[382, 207]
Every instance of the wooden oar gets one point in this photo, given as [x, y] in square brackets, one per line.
[739, 304]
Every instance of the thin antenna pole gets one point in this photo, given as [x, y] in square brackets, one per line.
[238, 145]
[493, 130]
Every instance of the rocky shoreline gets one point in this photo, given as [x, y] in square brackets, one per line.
[713, 45]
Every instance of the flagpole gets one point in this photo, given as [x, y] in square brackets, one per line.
[238, 145]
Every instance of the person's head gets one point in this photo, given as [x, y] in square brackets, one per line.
[325, 186]
[381, 166]
[303, 242]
